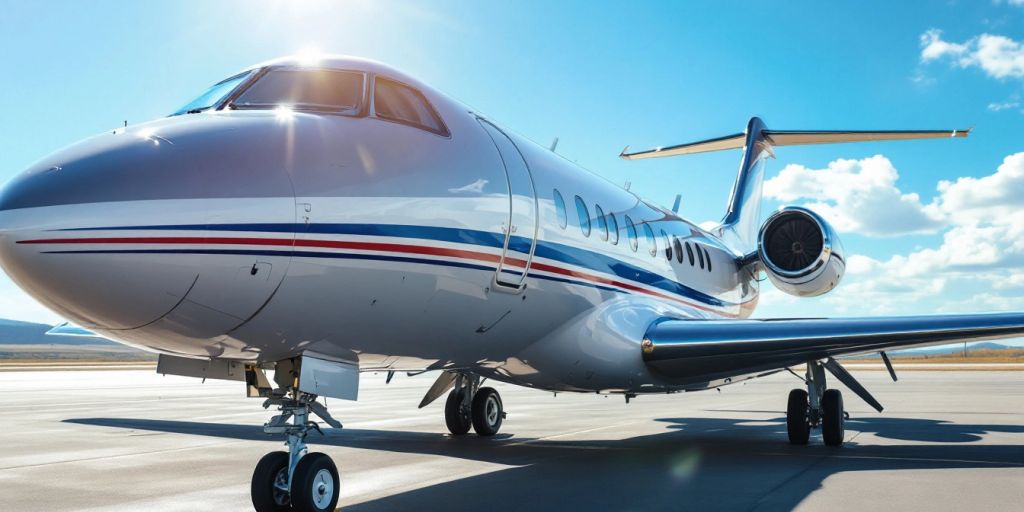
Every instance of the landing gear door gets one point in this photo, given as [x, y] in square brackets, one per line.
[521, 229]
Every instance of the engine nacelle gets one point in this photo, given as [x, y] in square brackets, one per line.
[800, 252]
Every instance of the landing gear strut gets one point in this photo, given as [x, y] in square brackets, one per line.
[295, 480]
[815, 407]
[469, 405]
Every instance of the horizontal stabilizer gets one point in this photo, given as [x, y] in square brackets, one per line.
[792, 138]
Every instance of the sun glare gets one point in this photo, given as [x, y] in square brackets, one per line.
[309, 56]
[284, 113]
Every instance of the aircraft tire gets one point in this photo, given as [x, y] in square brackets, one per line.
[798, 426]
[488, 412]
[270, 468]
[315, 484]
[457, 421]
[832, 418]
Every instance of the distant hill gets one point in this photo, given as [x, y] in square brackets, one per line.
[14, 332]
[952, 349]
[944, 350]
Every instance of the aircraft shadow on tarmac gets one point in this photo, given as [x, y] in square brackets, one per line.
[698, 463]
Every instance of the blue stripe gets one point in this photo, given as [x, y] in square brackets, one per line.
[332, 255]
[550, 250]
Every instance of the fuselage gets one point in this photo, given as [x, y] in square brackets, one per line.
[258, 234]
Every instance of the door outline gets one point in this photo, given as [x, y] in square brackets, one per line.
[501, 284]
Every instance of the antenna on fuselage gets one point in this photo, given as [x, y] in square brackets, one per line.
[627, 185]
[554, 144]
[675, 205]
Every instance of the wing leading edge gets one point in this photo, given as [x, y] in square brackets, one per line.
[711, 349]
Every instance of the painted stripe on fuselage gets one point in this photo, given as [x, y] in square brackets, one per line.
[332, 255]
[547, 250]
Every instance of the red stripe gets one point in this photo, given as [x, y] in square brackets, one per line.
[370, 246]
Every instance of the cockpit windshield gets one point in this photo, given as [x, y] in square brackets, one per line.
[212, 96]
[318, 90]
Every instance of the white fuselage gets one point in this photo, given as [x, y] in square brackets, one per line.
[260, 236]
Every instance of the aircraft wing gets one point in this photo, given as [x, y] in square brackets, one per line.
[715, 349]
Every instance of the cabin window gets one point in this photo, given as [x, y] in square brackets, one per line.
[679, 250]
[312, 90]
[652, 243]
[602, 223]
[398, 102]
[584, 215]
[689, 254]
[631, 234]
[668, 245]
[613, 228]
[563, 217]
[700, 255]
[707, 256]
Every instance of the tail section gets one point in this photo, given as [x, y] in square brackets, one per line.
[742, 219]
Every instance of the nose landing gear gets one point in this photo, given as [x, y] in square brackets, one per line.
[815, 407]
[295, 480]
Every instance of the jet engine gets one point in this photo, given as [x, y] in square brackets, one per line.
[800, 252]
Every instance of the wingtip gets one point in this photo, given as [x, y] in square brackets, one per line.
[623, 155]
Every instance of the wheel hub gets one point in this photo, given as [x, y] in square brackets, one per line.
[492, 410]
[281, 496]
[323, 488]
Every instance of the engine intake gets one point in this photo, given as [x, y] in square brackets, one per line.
[800, 252]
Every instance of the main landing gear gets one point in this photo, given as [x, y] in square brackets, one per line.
[815, 407]
[295, 480]
[469, 405]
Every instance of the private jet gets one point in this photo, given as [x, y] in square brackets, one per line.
[301, 222]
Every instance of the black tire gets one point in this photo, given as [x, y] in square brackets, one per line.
[315, 484]
[798, 425]
[488, 412]
[832, 418]
[265, 496]
[455, 417]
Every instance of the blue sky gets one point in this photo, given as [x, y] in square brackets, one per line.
[600, 77]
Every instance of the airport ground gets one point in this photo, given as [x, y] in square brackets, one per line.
[100, 439]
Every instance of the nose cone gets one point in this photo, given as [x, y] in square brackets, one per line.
[53, 264]
[64, 222]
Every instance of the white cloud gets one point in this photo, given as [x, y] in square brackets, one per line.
[1011, 103]
[856, 196]
[993, 198]
[998, 56]
[933, 47]
[1006, 105]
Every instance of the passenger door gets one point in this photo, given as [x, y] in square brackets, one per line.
[521, 229]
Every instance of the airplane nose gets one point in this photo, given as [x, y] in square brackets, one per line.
[92, 231]
[75, 187]
[46, 257]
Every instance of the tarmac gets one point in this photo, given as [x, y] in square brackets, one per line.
[137, 441]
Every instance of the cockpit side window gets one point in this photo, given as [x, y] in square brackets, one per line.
[398, 102]
[214, 95]
[306, 89]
